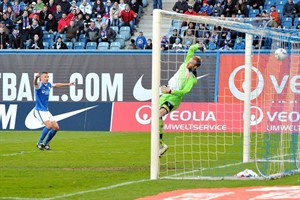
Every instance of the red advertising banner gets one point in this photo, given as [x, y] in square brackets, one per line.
[272, 81]
[207, 117]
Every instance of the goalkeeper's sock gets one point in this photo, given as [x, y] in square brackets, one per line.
[43, 135]
[50, 136]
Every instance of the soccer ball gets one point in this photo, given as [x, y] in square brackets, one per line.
[280, 54]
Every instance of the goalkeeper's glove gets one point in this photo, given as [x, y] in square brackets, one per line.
[166, 90]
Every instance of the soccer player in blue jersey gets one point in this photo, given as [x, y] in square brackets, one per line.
[41, 112]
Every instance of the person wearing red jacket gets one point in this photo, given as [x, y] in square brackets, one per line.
[127, 18]
[63, 22]
[274, 15]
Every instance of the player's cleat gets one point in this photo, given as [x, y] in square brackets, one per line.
[47, 147]
[163, 149]
[41, 146]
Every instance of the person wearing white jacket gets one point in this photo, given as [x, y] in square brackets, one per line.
[85, 8]
[114, 14]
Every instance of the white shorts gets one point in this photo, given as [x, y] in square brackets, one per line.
[43, 116]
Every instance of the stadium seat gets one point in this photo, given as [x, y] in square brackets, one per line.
[62, 35]
[115, 46]
[296, 20]
[69, 45]
[48, 38]
[79, 45]
[253, 13]
[287, 21]
[115, 28]
[120, 38]
[103, 46]
[125, 30]
[46, 45]
[82, 38]
[182, 30]
[177, 24]
[91, 45]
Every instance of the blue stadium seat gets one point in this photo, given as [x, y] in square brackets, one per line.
[103, 46]
[253, 13]
[115, 28]
[79, 45]
[125, 30]
[62, 35]
[296, 21]
[287, 21]
[69, 45]
[115, 46]
[82, 38]
[46, 45]
[120, 38]
[48, 38]
[91, 45]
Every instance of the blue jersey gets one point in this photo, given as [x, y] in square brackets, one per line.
[42, 92]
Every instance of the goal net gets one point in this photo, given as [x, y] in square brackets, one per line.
[242, 119]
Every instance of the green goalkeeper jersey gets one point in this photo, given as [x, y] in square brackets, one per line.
[181, 82]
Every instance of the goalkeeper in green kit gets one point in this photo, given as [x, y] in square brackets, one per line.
[180, 84]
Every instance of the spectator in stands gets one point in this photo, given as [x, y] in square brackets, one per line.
[256, 4]
[214, 40]
[164, 43]
[217, 10]
[10, 13]
[51, 6]
[3, 39]
[59, 44]
[3, 7]
[43, 15]
[35, 29]
[72, 15]
[141, 40]
[71, 32]
[107, 34]
[228, 42]
[79, 22]
[17, 9]
[98, 21]
[16, 40]
[205, 10]
[201, 31]
[58, 13]
[190, 11]
[134, 5]
[85, 8]
[36, 43]
[92, 33]
[189, 36]
[157, 4]
[127, 16]
[180, 6]
[275, 17]
[187, 45]
[122, 5]
[229, 8]
[51, 25]
[8, 22]
[65, 6]
[290, 9]
[73, 6]
[114, 15]
[63, 22]
[106, 14]
[149, 44]
[206, 39]
[132, 44]
[195, 4]
[24, 24]
[86, 22]
[38, 7]
[239, 44]
[241, 8]
[177, 45]
[174, 36]
[98, 8]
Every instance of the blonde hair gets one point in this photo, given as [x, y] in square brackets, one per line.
[198, 60]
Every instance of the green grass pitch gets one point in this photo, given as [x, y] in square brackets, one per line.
[91, 165]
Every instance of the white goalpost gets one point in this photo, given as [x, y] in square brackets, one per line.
[244, 112]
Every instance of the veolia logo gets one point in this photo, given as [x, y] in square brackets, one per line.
[143, 115]
[241, 95]
[256, 116]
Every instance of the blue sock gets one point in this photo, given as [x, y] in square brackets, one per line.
[50, 136]
[43, 135]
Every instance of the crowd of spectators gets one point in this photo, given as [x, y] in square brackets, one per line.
[280, 14]
[61, 24]
[30, 24]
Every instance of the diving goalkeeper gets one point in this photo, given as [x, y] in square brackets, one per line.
[180, 84]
